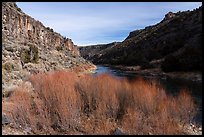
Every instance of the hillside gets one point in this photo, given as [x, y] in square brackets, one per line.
[29, 47]
[93, 52]
[174, 44]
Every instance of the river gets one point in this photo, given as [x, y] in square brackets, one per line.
[172, 86]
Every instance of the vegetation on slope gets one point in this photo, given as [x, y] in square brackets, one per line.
[170, 40]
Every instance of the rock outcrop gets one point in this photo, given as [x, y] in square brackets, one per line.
[29, 47]
[22, 28]
[174, 44]
[5, 120]
[169, 15]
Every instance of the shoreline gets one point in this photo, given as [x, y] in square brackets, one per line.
[157, 73]
[194, 76]
[190, 129]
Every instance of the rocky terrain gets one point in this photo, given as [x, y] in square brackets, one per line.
[174, 44]
[29, 47]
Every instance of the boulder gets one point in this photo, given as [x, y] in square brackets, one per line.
[118, 132]
[5, 120]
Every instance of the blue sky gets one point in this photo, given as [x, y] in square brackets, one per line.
[88, 23]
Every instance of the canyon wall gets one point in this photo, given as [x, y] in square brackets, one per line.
[174, 44]
[28, 47]
[23, 28]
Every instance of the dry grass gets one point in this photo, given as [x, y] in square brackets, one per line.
[63, 103]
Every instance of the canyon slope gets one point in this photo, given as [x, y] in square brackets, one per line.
[29, 47]
[93, 52]
[174, 44]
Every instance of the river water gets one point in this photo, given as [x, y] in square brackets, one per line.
[172, 86]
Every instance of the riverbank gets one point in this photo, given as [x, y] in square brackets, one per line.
[157, 72]
[69, 95]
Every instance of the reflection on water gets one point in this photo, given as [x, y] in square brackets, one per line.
[172, 86]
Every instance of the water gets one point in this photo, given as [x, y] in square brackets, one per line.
[172, 86]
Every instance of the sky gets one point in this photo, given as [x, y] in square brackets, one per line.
[90, 23]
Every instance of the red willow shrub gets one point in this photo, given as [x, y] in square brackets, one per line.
[59, 97]
[64, 103]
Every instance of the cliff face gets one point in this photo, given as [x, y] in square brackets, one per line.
[22, 28]
[174, 44]
[29, 47]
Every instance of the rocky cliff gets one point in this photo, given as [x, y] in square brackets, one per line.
[30, 47]
[22, 28]
[174, 44]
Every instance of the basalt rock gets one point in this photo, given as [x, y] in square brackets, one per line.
[22, 28]
[5, 120]
[169, 15]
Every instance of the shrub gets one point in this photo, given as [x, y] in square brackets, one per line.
[25, 56]
[8, 66]
[50, 29]
[19, 9]
[56, 90]
[63, 103]
[34, 57]
[30, 55]
[59, 48]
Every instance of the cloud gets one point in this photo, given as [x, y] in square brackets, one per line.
[101, 22]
